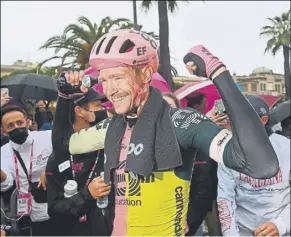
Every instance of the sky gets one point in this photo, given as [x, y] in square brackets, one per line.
[230, 30]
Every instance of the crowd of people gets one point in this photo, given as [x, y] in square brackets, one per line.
[147, 167]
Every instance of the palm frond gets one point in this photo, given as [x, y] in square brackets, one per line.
[47, 60]
[270, 44]
[172, 6]
[78, 31]
[275, 49]
[272, 20]
[85, 21]
[174, 71]
[146, 5]
[53, 40]
[285, 16]
[269, 32]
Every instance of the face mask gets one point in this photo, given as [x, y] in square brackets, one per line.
[18, 135]
[99, 116]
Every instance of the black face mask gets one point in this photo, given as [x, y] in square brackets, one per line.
[18, 135]
[99, 116]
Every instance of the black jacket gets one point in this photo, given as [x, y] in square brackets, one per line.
[203, 190]
[41, 117]
[67, 211]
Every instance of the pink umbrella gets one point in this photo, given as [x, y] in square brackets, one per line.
[160, 83]
[200, 85]
[92, 72]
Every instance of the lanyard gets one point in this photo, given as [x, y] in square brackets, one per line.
[92, 170]
[17, 169]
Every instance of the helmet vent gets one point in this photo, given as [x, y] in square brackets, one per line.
[110, 43]
[127, 46]
[99, 46]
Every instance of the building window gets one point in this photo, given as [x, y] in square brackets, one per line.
[254, 87]
[263, 87]
[277, 88]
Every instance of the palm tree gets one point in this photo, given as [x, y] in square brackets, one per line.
[73, 47]
[165, 61]
[174, 71]
[279, 33]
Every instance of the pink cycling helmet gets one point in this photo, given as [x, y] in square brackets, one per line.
[125, 47]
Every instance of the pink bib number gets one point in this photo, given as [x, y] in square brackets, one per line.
[24, 204]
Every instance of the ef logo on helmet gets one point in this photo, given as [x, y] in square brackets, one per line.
[141, 51]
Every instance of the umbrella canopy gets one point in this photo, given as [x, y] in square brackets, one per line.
[31, 87]
[91, 72]
[200, 86]
[160, 83]
[281, 112]
[270, 99]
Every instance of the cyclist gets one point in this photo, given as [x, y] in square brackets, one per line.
[150, 147]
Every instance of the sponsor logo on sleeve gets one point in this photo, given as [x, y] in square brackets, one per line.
[184, 118]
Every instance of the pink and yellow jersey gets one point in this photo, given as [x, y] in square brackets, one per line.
[153, 206]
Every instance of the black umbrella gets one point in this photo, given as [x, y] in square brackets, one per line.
[281, 112]
[31, 87]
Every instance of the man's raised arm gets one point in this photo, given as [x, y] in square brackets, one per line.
[88, 140]
[248, 149]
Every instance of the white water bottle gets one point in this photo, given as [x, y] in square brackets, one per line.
[102, 202]
[71, 188]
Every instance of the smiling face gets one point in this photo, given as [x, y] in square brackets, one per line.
[124, 87]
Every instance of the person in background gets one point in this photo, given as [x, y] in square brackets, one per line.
[48, 122]
[259, 207]
[4, 101]
[33, 126]
[197, 101]
[171, 99]
[42, 113]
[280, 119]
[85, 219]
[23, 160]
[203, 186]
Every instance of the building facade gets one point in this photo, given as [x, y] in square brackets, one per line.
[262, 81]
[19, 65]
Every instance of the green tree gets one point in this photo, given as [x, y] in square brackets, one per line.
[165, 60]
[73, 47]
[279, 33]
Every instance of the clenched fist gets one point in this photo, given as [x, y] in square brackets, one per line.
[98, 188]
[74, 78]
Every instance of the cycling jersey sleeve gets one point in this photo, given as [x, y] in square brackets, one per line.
[226, 201]
[62, 127]
[282, 221]
[88, 140]
[247, 149]
[75, 206]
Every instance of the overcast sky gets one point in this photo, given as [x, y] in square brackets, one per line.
[228, 29]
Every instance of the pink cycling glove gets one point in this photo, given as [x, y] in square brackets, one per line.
[207, 64]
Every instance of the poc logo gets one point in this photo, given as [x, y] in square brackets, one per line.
[135, 149]
[147, 38]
